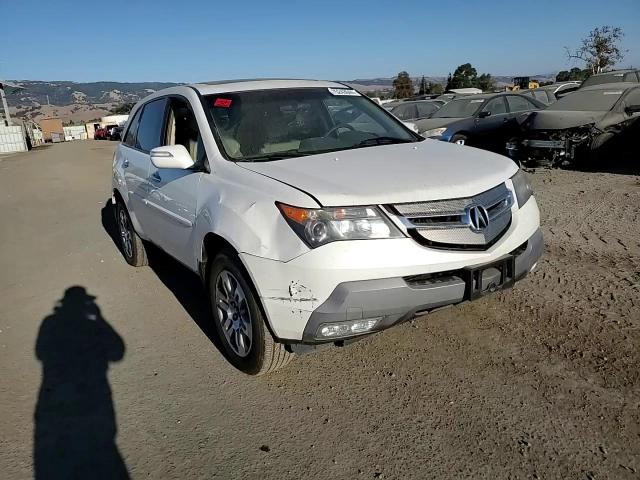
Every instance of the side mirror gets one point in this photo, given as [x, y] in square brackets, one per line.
[484, 114]
[631, 109]
[171, 156]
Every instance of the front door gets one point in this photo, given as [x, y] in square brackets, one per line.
[172, 201]
[489, 130]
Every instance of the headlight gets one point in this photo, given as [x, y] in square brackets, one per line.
[434, 132]
[319, 226]
[522, 187]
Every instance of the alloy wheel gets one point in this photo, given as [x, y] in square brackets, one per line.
[125, 233]
[233, 313]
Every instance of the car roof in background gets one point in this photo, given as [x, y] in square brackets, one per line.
[223, 86]
[609, 86]
[426, 100]
[485, 95]
[613, 72]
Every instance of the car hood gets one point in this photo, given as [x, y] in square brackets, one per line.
[408, 172]
[429, 123]
[561, 119]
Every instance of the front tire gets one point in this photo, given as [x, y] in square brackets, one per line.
[131, 245]
[239, 321]
[459, 139]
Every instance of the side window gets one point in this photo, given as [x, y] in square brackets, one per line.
[130, 138]
[495, 106]
[182, 128]
[519, 104]
[633, 98]
[540, 95]
[150, 126]
[630, 77]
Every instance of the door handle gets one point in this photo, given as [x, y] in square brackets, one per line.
[156, 177]
[125, 163]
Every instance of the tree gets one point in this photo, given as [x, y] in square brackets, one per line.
[423, 86]
[435, 88]
[402, 86]
[574, 74]
[449, 81]
[465, 76]
[122, 109]
[486, 83]
[600, 50]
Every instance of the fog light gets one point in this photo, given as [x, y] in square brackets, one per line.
[345, 329]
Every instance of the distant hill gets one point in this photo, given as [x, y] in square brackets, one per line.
[79, 102]
[66, 93]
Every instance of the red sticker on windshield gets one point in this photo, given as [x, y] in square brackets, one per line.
[222, 102]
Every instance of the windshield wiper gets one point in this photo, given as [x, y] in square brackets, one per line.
[273, 156]
[384, 141]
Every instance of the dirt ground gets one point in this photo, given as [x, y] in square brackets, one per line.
[120, 377]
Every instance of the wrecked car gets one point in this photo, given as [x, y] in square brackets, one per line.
[314, 216]
[582, 125]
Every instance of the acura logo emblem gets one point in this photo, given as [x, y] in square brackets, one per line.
[477, 217]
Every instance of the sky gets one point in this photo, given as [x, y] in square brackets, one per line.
[200, 40]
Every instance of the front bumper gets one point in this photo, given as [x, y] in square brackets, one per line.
[394, 300]
[291, 292]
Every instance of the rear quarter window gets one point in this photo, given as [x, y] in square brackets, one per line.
[130, 137]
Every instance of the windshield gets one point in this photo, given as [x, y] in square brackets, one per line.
[459, 108]
[264, 125]
[594, 100]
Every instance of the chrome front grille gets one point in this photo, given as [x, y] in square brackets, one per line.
[472, 222]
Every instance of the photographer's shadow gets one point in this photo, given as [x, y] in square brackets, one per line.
[75, 424]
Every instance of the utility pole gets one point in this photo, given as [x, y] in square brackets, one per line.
[7, 118]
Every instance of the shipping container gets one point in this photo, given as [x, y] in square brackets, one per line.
[75, 132]
[12, 139]
[51, 125]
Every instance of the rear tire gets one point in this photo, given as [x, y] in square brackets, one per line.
[459, 139]
[131, 245]
[239, 321]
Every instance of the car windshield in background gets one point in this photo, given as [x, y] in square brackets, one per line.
[459, 108]
[264, 125]
[589, 100]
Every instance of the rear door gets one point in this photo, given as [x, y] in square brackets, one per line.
[147, 137]
[173, 199]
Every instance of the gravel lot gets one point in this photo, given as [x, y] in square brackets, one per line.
[542, 381]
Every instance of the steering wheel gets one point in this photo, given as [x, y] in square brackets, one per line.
[338, 127]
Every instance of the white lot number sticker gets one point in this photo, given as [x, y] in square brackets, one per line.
[613, 93]
[477, 101]
[344, 91]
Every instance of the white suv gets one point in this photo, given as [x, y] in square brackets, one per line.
[313, 215]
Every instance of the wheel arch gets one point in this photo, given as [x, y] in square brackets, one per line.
[212, 243]
[461, 132]
[117, 196]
